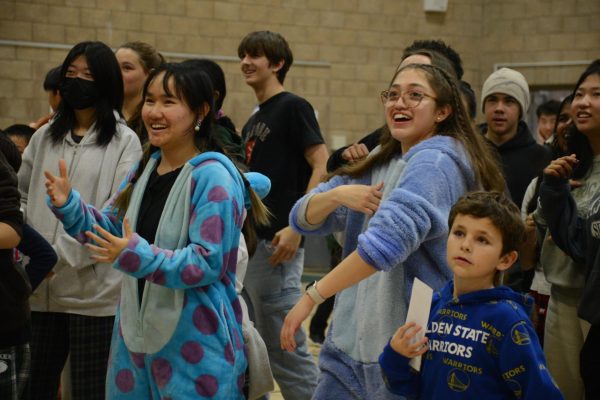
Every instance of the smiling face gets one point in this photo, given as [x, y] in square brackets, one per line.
[411, 125]
[132, 70]
[585, 108]
[169, 120]
[474, 252]
[258, 72]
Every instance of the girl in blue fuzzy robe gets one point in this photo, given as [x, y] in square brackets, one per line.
[427, 159]
[178, 327]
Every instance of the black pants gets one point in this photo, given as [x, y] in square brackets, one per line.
[54, 337]
[589, 360]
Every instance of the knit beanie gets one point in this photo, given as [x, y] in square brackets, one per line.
[510, 82]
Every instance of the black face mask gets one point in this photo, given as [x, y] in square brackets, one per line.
[79, 93]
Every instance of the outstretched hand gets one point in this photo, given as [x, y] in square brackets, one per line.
[108, 245]
[58, 187]
[562, 167]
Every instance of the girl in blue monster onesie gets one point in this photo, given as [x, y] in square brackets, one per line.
[393, 208]
[178, 327]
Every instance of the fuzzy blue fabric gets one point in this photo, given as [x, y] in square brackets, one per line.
[481, 345]
[406, 238]
[184, 339]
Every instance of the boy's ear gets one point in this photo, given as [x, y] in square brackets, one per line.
[277, 66]
[507, 260]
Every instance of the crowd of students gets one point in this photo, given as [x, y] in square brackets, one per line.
[149, 249]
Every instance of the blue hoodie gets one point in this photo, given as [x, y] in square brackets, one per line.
[481, 345]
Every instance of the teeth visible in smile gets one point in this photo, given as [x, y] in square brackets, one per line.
[583, 114]
[158, 126]
[400, 117]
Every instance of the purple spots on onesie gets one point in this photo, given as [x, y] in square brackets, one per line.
[229, 356]
[81, 238]
[112, 218]
[192, 352]
[238, 342]
[97, 214]
[155, 250]
[138, 359]
[125, 380]
[205, 320]
[218, 194]
[191, 275]
[207, 385]
[212, 229]
[133, 242]
[129, 261]
[157, 277]
[230, 260]
[226, 280]
[202, 252]
[237, 216]
[237, 310]
[161, 371]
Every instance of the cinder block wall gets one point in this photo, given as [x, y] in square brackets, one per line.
[358, 44]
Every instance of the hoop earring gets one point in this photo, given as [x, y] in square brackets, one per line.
[198, 125]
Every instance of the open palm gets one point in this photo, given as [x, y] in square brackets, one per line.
[58, 187]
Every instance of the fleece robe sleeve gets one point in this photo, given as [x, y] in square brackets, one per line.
[522, 364]
[415, 212]
[560, 212]
[214, 228]
[334, 222]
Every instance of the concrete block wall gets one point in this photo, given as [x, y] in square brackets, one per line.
[359, 42]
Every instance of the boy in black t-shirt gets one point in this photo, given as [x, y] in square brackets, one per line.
[284, 142]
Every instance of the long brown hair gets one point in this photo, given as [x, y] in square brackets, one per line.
[457, 125]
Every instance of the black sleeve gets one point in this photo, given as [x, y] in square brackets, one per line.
[371, 141]
[42, 256]
[306, 125]
[10, 203]
[560, 212]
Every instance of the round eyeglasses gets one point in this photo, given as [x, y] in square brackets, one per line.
[410, 98]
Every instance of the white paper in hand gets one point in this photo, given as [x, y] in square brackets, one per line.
[418, 312]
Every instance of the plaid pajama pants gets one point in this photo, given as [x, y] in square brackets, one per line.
[58, 335]
[14, 371]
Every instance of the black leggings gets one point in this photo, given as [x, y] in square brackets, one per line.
[589, 360]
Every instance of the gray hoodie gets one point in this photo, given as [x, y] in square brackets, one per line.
[79, 285]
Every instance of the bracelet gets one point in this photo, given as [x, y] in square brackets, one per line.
[313, 293]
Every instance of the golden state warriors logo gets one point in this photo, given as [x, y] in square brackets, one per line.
[520, 335]
[458, 380]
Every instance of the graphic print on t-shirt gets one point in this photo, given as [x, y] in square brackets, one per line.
[258, 131]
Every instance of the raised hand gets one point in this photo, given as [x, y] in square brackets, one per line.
[403, 341]
[562, 167]
[361, 198]
[108, 245]
[58, 187]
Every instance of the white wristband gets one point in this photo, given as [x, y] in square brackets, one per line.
[314, 294]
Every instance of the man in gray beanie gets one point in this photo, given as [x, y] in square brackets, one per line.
[504, 100]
